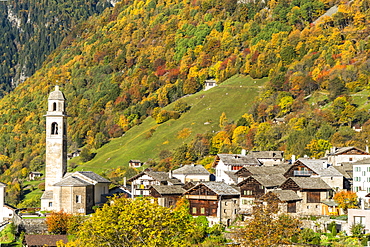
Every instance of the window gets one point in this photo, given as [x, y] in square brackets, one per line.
[356, 188]
[350, 159]
[50, 204]
[368, 190]
[357, 169]
[359, 220]
[194, 211]
[54, 106]
[358, 179]
[202, 210]
[78, 198]
[247, 192]
[54, 128]
[368, 169]
[364, 173]
[368, 179]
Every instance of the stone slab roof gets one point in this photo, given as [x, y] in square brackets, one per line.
[361, 162]
[318, 167]
[270, 180]
[169, 189]
[310, 183]
[45, 240]
[266, 154]
[232, 175]
[342, 150]
[346, 169]
[221, 188]
[48, 194]
[158, 176]
[93, 176]
[286, 195]
[72, 181]
[267, 170]
[238, 159]
[191, 170]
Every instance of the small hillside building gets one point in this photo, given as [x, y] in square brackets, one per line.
[167, 196]
[135, 163]
[208, 84]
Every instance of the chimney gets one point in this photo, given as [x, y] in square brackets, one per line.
[293, 159]
[324, 164]
[367, 149]
[124, 181]
[244, 152]
[170, 174]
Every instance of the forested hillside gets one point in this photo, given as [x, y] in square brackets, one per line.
[31, 29]
[118, 68]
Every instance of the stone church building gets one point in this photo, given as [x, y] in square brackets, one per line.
[75, 192]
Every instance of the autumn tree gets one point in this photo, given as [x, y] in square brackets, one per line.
[267, 227]
[138, 222]
[58, 222]
[346, 199]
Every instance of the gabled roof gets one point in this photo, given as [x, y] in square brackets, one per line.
[232, 176]
[220, 188]
[317, 166]
[72, 181]
[266, 154]
[264, 170]
[92, 176]
[169, 189]
[191, 170]
[158, 176]
[236, 159]
[48, 194]
[45, 240]
[266, 180]
[346, 169]
[307, 183]
[285, 195]
[361, 162]
[135, 161]
[344, 150]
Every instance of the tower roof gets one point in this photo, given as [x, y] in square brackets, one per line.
[56, 94]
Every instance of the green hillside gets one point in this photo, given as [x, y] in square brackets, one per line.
[234, 97]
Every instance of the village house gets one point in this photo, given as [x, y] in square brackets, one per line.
[346, 169]
[359, 216]
[135, 163]
[286, 199]
[312, 191]
[167, 196]
[317, 168]
[268, 158]
[346, 154]
[218, 201]
[361, 178]
[191, 173]
[256, 186]
[245, 172]
[141, 183]
[227, 164]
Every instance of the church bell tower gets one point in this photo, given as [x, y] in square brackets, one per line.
[56, 139]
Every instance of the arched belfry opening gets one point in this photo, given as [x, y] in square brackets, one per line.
[54, 128]
[54, 106]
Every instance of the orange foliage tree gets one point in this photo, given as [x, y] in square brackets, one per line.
[346, 199]
[58, 222]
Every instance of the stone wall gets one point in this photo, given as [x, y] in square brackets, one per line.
[30, 226]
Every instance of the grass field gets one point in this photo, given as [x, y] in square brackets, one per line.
[234, 97]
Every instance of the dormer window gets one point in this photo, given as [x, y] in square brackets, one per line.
[54, 128]
[54, 106]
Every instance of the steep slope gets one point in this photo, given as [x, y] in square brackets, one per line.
[147, 140]
[30, 30]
